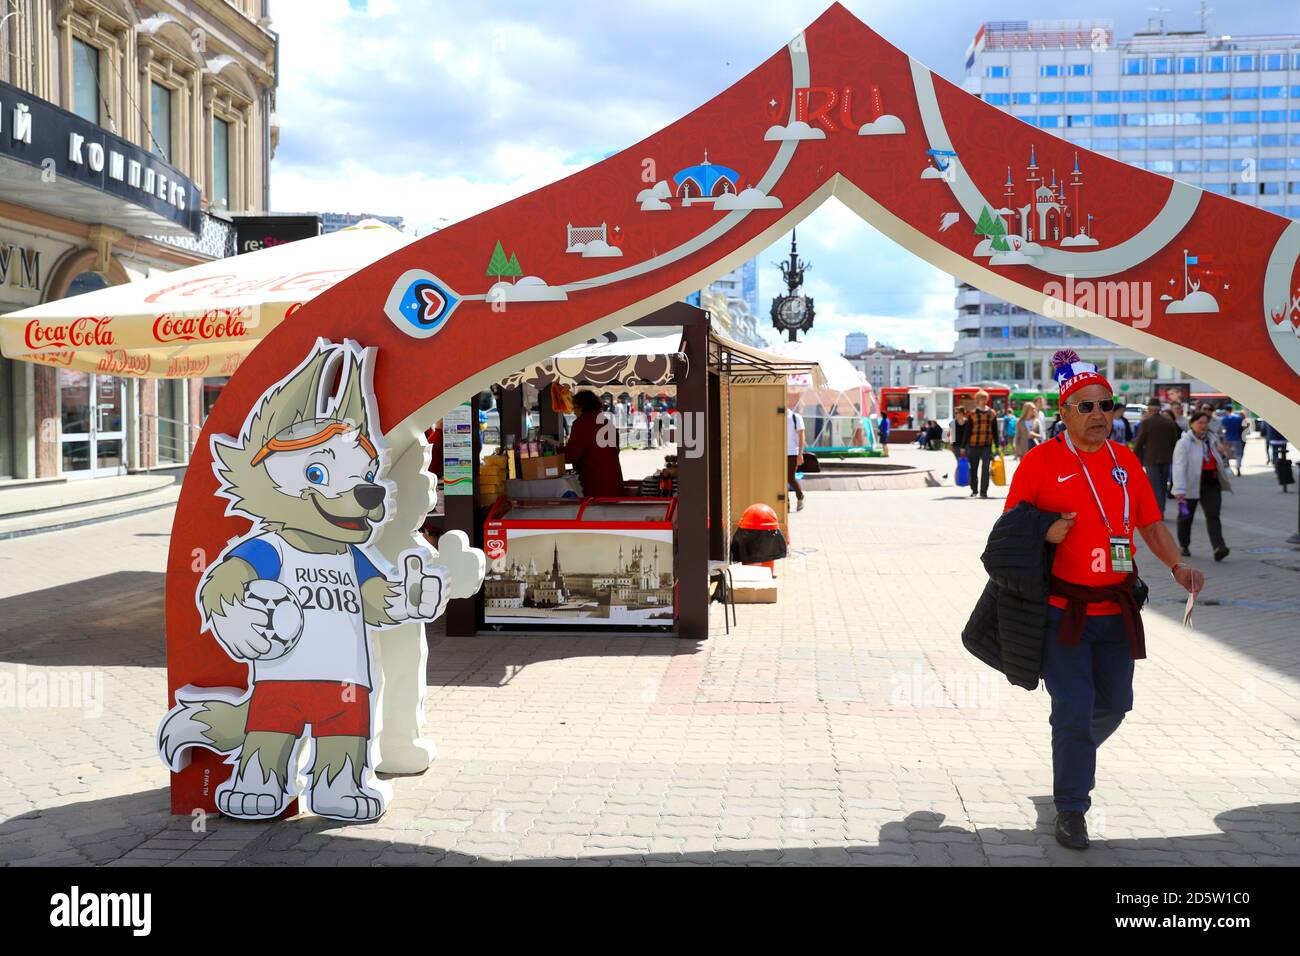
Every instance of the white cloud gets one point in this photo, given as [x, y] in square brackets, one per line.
[527, 289]
[599, 249]
[1195, 303]
[795, 131]
[750, 198]
[884, 125]
[652, 199]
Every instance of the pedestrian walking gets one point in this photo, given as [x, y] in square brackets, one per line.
[1234, 437]
[794, 453]
[1276, 443]
[1200, 477]
[1154, 446]
[979, 443]
[1027, 433]
[884, 429]
[960, 433]
[1119, 426]
[1007, 432]
[1074, 493]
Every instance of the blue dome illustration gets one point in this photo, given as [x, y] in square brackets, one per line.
[705, 180]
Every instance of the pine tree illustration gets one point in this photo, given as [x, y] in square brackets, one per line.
[998, 233]
[512, 267]
[985, 225]
[499, 266]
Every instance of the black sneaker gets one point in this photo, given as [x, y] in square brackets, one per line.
[1186, 553]
[1072, 830]
[1221, 554]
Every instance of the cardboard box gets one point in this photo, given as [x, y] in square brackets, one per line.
[548, 466]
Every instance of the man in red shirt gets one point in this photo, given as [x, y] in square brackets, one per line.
[1094, 631]
[593, 449]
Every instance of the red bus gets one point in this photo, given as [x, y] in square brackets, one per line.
[894, 405]
[964, 395]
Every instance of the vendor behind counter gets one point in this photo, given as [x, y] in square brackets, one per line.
[596, 461]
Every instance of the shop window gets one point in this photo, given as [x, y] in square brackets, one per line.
[85, 81]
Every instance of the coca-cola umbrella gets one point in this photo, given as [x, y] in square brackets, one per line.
[197, 321]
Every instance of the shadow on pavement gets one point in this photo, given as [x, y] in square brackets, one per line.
[101, 831]
[115, 619]
[920, 838]
[493, 661]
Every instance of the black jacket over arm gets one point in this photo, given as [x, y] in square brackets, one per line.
[1006, 628]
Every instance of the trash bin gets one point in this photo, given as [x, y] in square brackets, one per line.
[1282, 468]
[758, 538]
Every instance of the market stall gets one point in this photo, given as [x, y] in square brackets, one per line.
[562, 558]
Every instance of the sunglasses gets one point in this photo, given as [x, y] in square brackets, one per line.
[1085, 408]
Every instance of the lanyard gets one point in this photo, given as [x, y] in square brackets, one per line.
[1095, 497]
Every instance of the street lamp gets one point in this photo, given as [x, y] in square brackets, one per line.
[1150, 370]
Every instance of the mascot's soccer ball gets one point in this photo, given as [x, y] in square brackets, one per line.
[284, 618]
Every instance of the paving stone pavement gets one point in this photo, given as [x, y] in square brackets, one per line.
[843, 725]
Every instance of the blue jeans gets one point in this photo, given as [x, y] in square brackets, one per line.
[1091, 686]
[1158, 475]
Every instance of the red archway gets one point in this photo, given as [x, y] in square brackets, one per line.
[910, 152]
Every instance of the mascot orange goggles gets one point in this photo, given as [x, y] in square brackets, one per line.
[298, 436]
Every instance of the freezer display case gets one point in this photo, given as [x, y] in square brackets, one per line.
[589, 561]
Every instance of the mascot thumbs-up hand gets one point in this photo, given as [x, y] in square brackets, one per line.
[422, 594]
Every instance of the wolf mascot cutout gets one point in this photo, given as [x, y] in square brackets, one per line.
[295, 597]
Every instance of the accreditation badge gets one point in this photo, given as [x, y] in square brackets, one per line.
[1121, 555]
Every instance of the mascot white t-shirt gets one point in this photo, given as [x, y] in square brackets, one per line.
[328, 588]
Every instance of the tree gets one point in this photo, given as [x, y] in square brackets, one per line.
[998, 233]
[499, 266]
[985, 225]
[512, 267]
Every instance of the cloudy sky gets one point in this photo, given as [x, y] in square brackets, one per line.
[436, 111]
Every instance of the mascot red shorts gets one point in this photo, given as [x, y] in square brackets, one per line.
[287, 706]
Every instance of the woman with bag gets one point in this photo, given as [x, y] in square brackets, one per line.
[1028, 433]
[1200, 477]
